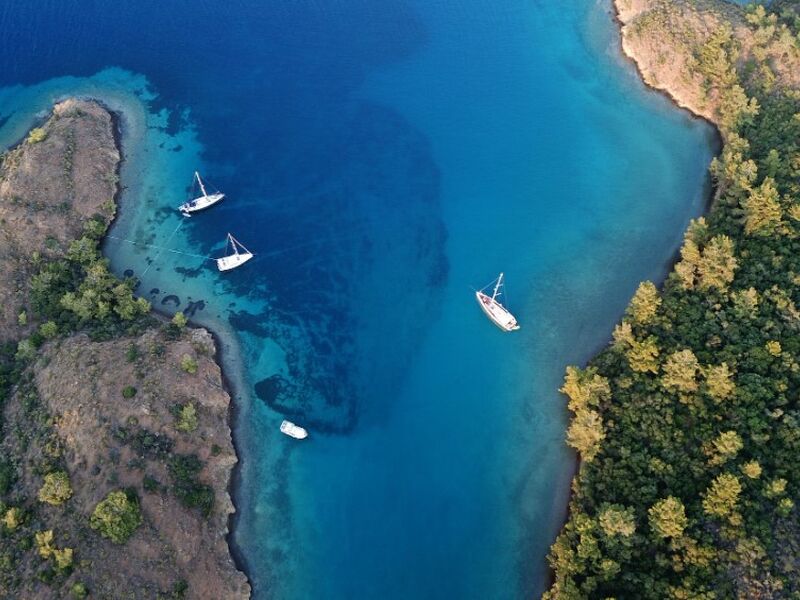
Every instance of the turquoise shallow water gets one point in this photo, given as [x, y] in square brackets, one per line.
[381, 160]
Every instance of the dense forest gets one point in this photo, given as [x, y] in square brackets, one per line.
[688, 424]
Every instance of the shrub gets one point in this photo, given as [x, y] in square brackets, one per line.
[78, 591]
[37, 135]
[188, 364]
[128, 392]
[187, 418]
[179, 320]
[63, 558]
[56, 489]
[116, 517]
[191, 493]
[132, 353]
[48, 330]
[7, 476]
[12, 518]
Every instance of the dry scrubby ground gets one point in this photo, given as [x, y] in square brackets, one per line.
[69, 411]
[47, 190]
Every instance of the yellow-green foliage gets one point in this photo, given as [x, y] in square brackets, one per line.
[586, 432]
[187, 418]
[752, 469]
[722, 496]
[668, 518]
[617, 520]
[725, 447]
[56, 488]
[116, 517]
[644, 304]
[643, 355]
[63, 557]
[719, 382]
[36, 135]
[680, 372]
[12, 518]
[188, 364]
[179, 320]
[584, 388]
[44, 543]
[761, 209]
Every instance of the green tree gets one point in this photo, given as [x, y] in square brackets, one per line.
[722, 496]
[585, 433]
[680, 372]
[719, 382]
[116, 517]
[668, 518]
[644, 304]
[643, 355]
[725, 447]
[616, 520]
[718, 264]
[762, 209]
[585, 388]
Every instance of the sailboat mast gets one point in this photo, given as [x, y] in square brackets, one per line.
[497, 286]
[200, 181]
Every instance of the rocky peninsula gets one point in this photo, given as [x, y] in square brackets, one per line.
[116, 451]
[687, 425]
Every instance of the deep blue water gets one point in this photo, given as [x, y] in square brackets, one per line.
[381, 158]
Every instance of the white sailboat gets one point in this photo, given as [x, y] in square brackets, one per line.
[237, 258]
[498, 313]
[292, 430]
[201, 202]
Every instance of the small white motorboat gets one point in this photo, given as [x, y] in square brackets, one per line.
[237, 258]
[201, 202]
[498, 313]
[292, 430]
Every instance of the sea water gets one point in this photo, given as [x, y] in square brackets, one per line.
[383, 160]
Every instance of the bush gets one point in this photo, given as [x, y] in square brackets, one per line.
[187, 418]
[37, 135]
[191, 493]
[132, 353]
[56, 488]
[188, 364]
[116, 517]
[7, 476]
[128, 392]
[179, 320]
[78, 591]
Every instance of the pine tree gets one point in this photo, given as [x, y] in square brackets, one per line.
[668, 518]
[762, 209]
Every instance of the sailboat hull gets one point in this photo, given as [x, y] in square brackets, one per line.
[200, 203]
[226, 263]
[496, 312]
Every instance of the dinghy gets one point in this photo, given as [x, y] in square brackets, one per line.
[498, 313]
[292, 430]
[235, 259]
[201, 202]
